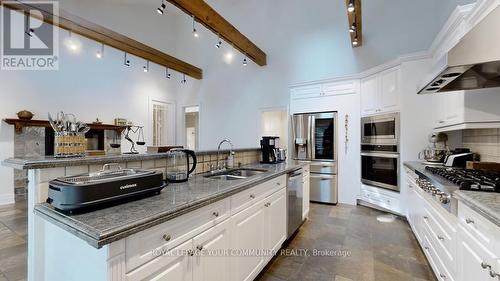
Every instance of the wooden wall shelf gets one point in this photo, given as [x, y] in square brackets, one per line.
[19, 124]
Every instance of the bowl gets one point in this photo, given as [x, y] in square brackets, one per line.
[25, 115]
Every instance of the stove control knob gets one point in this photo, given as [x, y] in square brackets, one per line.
[444, 199]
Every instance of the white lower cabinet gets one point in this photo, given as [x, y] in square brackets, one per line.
[166, 267]
[210, 259]
[218, 247]
[248, 235]
[459, 248]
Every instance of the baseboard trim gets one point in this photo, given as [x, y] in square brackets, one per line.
[7, 199]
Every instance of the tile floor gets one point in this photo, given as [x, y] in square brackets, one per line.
[378, 251]
[13, 241]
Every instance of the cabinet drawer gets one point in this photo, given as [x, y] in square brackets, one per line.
[439, 268]
[247, 198]
[442, 241]
[379, 199]
[140, 246]
[477, 226]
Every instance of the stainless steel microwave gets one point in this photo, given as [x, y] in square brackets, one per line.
[380, 129]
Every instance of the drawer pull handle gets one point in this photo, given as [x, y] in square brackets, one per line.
[167, 237]
[191, 253]
[252, 196]
[469, 221]
[199, 247]
[267, 204]
[440, 238]
[427, 248]
[485, 265]
[215, 214]
[426, 217]
[278, 184]
[442, 275]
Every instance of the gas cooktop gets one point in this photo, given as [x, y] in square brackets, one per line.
[475, 180]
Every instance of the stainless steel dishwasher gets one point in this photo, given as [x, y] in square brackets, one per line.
[294, 201]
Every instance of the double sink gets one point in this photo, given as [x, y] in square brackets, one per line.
[236, 174]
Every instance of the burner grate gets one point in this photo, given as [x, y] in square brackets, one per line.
[477, 180]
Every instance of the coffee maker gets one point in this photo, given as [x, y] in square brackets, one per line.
[269, 150]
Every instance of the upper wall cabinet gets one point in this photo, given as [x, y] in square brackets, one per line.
[466, 110]
[380, 92]
[324, 90]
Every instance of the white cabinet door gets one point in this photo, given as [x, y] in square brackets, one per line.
[307, 92]
[275, 214]
[471, 259]
[306, 201]
[173, 266]
[210, 261]
[389, 96]
[370, 95]
[248, 234]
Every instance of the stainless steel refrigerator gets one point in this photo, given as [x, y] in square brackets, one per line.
[314, 139]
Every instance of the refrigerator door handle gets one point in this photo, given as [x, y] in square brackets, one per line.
[312, 132]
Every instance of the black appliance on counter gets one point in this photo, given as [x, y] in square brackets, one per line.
[269, 150]
[107, 187]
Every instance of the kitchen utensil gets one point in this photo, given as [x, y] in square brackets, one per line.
[52, 123]
[25, 115]
[179, 165]
[433, 155]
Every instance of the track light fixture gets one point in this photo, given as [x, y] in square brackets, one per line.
[353, 28]
[126, 61]
[219, 42]
[183, 81]
[245, 62]
[100, 52]
[73, 44]
[355, 42]
[350, 7]
[167, 74]
[195, 32]
[29, 31]
[162, 7]
[146, 67]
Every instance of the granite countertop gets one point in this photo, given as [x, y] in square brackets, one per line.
[45, 162]
[105, 226]
[485, 203]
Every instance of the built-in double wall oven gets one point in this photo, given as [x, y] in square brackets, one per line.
[380, 151]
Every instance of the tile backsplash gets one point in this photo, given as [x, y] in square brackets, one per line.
[485, 142]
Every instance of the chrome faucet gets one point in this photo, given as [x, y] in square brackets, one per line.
[221, 167]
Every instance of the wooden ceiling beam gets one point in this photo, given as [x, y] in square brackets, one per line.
[355, 17]
[85, 28]
[208, 17]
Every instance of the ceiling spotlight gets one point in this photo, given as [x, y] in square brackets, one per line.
[126, 61]
[28, 31]
[183, 81]
[167, 74]
[245, 62]
[100, 52]
[350, 7]
[161, 9]
[353, 28]
[73, 44]
[195, 32]
[146, 67]
[355, 42]
[219, 42]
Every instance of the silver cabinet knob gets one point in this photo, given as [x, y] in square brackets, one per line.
[442, 275]
[485, 265]
[426, 217]
[469, 221]
[252, 196]
[440, 238]
[267, 204]
[278, 184]
[199, 247]
[215, 214]
[427, 248]
[167, 237]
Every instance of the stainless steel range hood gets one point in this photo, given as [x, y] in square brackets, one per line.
[474, 63]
